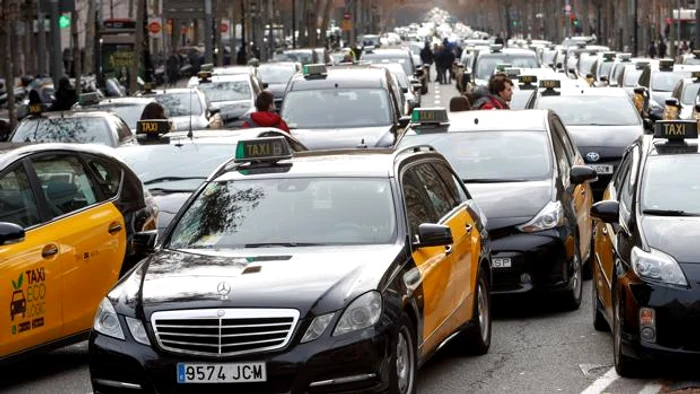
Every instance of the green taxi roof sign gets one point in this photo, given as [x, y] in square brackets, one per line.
[311, 70]
[429, 116]
[676, 130]
[624, 57]
[502, 67]
[204, 76]
[666, 64]
[267, 149]
[608, 56]
[152, 127]
[89, 98]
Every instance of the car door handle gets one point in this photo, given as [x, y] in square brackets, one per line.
[448, 249]
[114, 228]
[49, 250]
[468, 227]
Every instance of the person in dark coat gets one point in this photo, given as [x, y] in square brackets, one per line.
[662, 49]
[65, 96]
[153, 111]
[173, 68]
[652, 50]
[241, 57]
[426, 56]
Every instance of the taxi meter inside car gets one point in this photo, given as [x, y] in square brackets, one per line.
[305, 272]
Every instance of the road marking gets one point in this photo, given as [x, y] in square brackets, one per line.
[651, 388]
[602, 382]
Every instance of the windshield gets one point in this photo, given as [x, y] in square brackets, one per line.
[693, 61]
[277, 75]
[303, 57]
[690, 93]
[486, 64]
[664, 187]
[89, 130]
[403, 60]
[288, 212]
[227, 91]
[665, 81]
[548, 57]
[341, 108]
[604, 69]
[617, 69]
[585, 64]
[493, 155]
[180, 104]
[130, 113]
[631, 77]
[592, 110]
[154, 165]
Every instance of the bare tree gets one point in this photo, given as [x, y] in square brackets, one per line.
[7, 18]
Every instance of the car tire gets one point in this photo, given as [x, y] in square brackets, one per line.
[624, 366]
[404, 360]
[599, 322]
[476, 339]
[572, 296]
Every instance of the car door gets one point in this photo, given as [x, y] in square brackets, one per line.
[92, 232]
[30, 270]
[433, 263]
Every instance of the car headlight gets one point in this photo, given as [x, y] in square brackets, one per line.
[657, 266]
[551, 216]
[138, 331]
[362, 313]
[317, 327]
[106, 321]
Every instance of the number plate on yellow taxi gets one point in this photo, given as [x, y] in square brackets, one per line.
[221, 373]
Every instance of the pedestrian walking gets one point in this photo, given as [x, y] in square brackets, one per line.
[652, 50]
[173, 68]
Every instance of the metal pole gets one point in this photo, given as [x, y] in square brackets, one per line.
[208, 33]
[696, 41]
[294, 24]
[57, 64]
[678, 28]
[635, 26]
[41, 51]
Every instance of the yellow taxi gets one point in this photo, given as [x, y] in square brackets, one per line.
[69, 214]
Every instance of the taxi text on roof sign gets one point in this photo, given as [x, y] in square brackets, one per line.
[550, 83]
[528, 79]
[512, 72]
[676, 129]
[696, 75]
[609, 56]
[666, 64]
[423, 116]
[89, 98]
[315, 69]
[36, 109]
[262, 149]
[153, 126]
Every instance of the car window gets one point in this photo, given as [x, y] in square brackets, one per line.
[453, 184]
[592, 110]
[564, 164]
[627, 187]
[65, 184]
[419, 209]
[108, 175]
[569, 146]
[123, 131]
[443, 201]
[82, 130]
[17, 204]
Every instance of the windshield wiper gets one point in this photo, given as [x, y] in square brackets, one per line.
[668, 212]
[491, 180]
[282, 244]
[172, 178]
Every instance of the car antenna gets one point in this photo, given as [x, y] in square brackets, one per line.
[190, 135]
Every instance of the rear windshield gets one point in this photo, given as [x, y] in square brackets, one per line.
[88, 130]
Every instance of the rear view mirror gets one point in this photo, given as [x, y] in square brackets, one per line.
[582, 174]
[10, 233]
[648, 125]
[265, 85]
[433, 235]
[145, 242]
[404, 121]
[607, 211]
[404, 89]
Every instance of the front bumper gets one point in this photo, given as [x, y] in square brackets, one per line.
[353, 363]
[677, 312]
[539, 261]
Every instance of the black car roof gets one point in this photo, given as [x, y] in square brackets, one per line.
[353, 77]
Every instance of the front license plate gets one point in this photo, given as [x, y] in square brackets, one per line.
[501, 263]
[603, 169]
[221, 373]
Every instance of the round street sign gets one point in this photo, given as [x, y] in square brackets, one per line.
[567, 8]
[64, 21]
[154, 27]
[224, 27]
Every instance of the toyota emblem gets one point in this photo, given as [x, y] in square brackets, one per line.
[592, 156]
[223, 289]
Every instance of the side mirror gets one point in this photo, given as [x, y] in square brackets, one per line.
[419, 73]
[582, 174]
[214, 111]
[10, 233]
[559, 66]
[145, 242]
[572, 71]
[607, 211]
[433, 235]
[404, 89]
[265, 85]
[603, 79]
[417, 87]
[404, 121]
[648, 125]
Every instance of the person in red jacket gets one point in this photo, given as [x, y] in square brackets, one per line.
[266, 115]
[500, 93]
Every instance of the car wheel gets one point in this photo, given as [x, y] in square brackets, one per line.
[572, 298]
[624, 366]
[404, 360]
[476, 339]
[599, 322]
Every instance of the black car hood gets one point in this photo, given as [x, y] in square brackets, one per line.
[379, 136]
[320, 278]
[676, 236]
[510, 203]
[168, 206]
[606, 136]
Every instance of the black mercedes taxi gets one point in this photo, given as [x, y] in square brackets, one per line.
[529, 179]
[646, 275]
[312, 272]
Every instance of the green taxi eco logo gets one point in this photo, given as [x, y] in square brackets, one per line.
[18, 285]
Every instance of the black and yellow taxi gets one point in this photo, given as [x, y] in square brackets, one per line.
[647, 266]
[312, 272]
[343, 107]
[530, 180]
[78, 126]
[68, 216]
[601, 121]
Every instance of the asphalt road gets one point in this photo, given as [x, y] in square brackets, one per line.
[536, 348]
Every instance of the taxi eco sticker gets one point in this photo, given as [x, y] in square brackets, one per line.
[28, 300]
